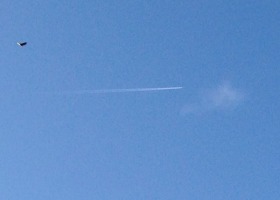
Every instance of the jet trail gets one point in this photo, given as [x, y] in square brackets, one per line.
[104, 91]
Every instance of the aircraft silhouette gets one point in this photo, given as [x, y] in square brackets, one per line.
[21, 43]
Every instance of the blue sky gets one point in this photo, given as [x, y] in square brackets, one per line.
[217, 138]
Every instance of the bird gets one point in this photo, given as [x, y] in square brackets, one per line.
[21, 43]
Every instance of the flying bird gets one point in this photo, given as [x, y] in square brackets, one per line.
[21, 43]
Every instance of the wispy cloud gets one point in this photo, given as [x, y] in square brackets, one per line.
[222, 97]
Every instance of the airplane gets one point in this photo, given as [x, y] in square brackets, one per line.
[21, 43]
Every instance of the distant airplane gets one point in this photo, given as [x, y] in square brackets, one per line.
[21, 43]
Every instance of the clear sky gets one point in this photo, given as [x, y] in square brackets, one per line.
[217, 138]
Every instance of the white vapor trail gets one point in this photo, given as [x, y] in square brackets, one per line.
[103, 91]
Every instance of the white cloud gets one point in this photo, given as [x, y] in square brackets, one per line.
[222, 97]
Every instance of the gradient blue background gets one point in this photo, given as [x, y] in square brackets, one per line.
[179, 144]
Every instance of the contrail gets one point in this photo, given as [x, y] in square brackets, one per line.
[103, 91]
